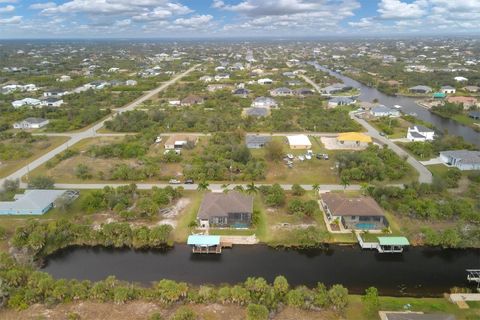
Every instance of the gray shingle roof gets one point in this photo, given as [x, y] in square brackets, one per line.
[464, 156]
[220, 204]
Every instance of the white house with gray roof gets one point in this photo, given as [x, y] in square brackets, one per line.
[461, 159]
[383, 111]
[31, 123]
[420, 133]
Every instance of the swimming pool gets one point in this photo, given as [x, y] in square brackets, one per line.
[365, 226]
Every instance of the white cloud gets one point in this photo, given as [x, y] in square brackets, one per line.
[8, 8]
[396, 9]
[8, 1]
[363, 23]
[42, 5]
[194, 22]
[11, 20]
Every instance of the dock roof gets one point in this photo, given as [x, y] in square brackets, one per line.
[203, 240]
[393, 241]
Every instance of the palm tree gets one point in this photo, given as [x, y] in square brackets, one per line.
[225, 187]
[251, 188]
[316, 188]
[239, 188]
[345, 182]
[202, 186]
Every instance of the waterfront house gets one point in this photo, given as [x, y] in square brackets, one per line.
[472, 89]
[461, 159]
[384, 111]
[354, 140]
[225, 210]
[354, 213]
[31, 123]
[467, 102]
[33, 202]
[475, 115]
[420, 133]
[448, 89]
[420, 89]
[256, 141]
[299, 141]
[335, 88]
[179, 141]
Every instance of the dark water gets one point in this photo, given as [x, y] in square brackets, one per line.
[418, 271]
[409, 105]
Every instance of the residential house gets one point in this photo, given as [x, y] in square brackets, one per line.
[460, 79]
[354, 213]
[174, 102]
[52, 102]
[222, 76]
[241, 92]
[300, 141]
[461, 159]
[191, 100]
[131, 83]
[293, 83]
[475, 115]
[34, 202]
[353, 139]
[467, 102]
[289, 74]
[419, 133]
[64, 78]
[303, 92]
[340, 101]
[225, 210]
[26, 102]
[264, 81]
[55, 93]
[97, 85]
[264, 102]
[218, 86]
[254, 141]
[420, 89]
[281, 92]
[472, 89]
[448, 90]
[335, 88]
[31, 123]
[179, 141]
[384, 111]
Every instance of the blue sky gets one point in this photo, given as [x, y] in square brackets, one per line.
[235, 18]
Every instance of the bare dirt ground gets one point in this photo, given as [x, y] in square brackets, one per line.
[331, 144]
[141, 310]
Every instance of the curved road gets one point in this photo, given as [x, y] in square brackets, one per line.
[91, 132]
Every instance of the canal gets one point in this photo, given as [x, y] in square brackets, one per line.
[419, 271]
[409, 105]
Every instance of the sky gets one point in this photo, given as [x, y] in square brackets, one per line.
[235, 18]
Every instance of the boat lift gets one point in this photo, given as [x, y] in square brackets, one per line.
[473, 275]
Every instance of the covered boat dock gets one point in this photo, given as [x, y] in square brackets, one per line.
[204, 243]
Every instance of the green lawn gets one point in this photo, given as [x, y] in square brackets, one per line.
[188, 217]
[356, 309]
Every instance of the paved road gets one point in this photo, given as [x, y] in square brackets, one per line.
[425, 176]
[213, 187]
[91, 131]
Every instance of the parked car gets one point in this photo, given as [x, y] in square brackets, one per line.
[301, 158]
[325, 156]
[290, 156]
[382, 134]
[319, 156]
[189, 181]
[174, 181]
[308, 156]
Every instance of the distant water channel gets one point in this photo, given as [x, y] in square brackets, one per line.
[409, 105]
[419, 271]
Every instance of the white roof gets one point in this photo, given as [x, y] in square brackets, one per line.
[32, 200]
[299, 140]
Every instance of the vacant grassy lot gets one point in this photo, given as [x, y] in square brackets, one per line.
[37, 149]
